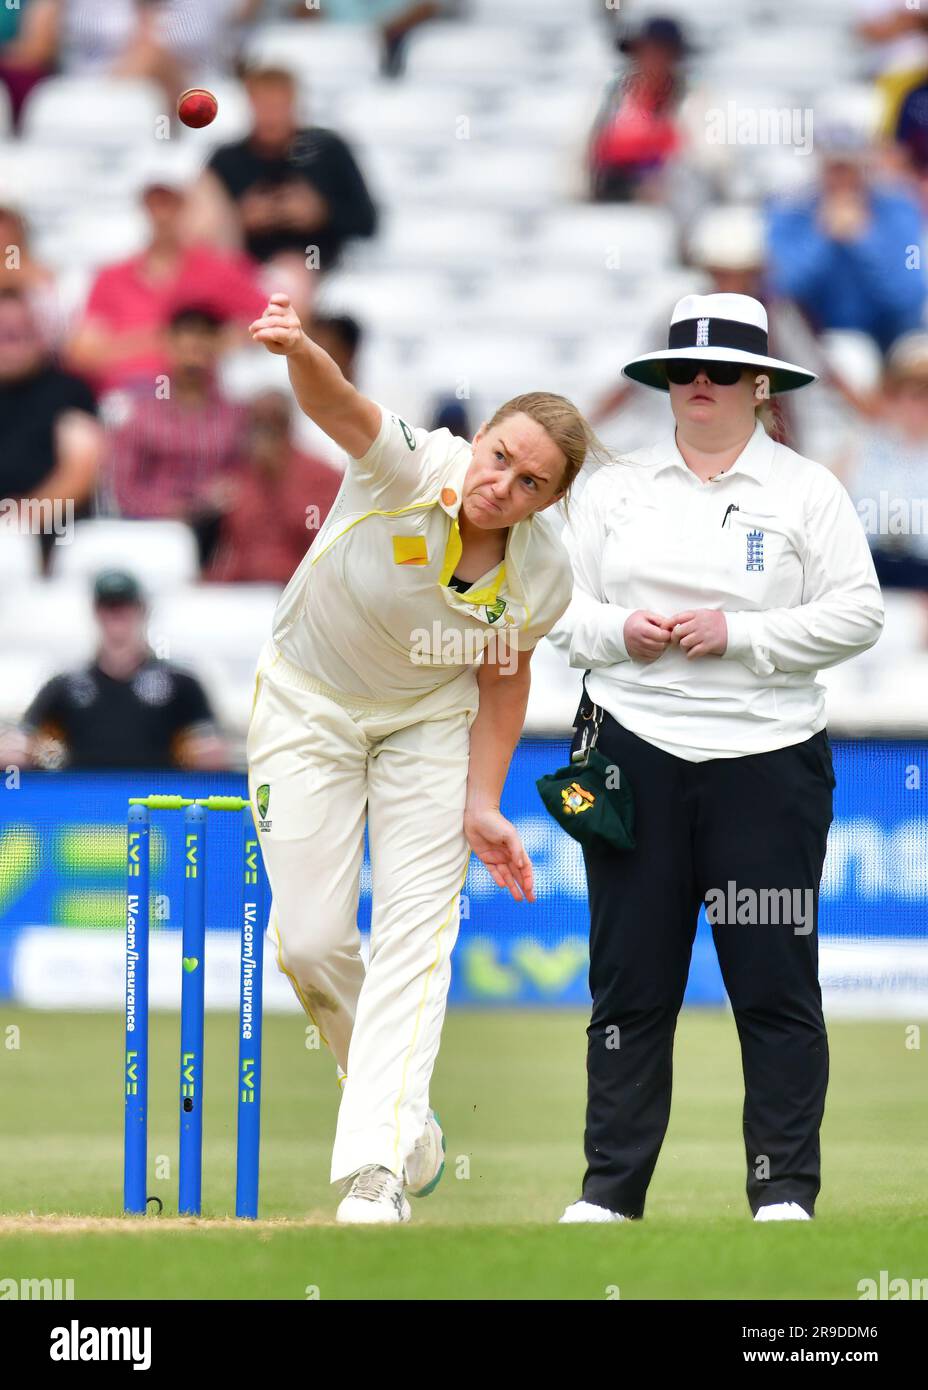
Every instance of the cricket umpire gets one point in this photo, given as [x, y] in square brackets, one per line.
[715, 574]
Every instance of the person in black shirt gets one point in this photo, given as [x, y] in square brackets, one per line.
[292, 188]
[127, 709]
[51, 445]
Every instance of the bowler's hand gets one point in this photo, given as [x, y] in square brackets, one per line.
[278, 328]
[496, 842]
[700, 632]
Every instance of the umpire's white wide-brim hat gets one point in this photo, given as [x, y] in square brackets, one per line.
[718, 328]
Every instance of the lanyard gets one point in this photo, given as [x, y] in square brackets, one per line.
[591, 727]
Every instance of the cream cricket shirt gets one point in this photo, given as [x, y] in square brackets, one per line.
[369, 611]
[774, 542]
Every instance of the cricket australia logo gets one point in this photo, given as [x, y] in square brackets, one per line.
[263, 797]
[576, 799]
[702, 332]
[755, 553]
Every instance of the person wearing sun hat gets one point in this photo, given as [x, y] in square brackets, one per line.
[715, 573]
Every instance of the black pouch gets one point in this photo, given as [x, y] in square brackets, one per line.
[591, 799]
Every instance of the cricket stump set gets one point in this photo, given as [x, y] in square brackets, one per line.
[193, 952]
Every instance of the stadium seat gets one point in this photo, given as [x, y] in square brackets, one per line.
[49, 617]
[401, 302]
[20, 556]
[630, 239]
[459, 239]
[792, 56]
[323, 55]
[97, 112]
[90, 240]
[406, 115]
[504, 177]
[482, 55]
[24, 674]
[223, 623]
[161, 554]
[47, 182]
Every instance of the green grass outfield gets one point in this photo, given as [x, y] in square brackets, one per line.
[510, 1088]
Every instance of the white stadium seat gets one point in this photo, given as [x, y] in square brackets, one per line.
[459, 238]
[101, 112]
[399, 302]
[160, 554]
[482, 55]
[630, 239]
[324, 55]
[98, 238]
[20, 555]
[403, 115]
[49, 617]
[223, 624]
[24, 674]
[47, 181]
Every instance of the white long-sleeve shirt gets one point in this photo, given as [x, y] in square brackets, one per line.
[774, 542]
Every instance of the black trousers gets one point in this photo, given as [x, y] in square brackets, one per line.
[760, 823]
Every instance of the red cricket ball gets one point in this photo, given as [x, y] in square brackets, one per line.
[197, 107]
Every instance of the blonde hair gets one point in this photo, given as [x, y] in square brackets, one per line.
[564, 425]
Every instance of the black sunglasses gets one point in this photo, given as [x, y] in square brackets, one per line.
[682, 370]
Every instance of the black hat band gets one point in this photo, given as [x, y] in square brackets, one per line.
[718, 333]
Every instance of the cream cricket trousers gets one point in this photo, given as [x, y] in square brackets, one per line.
[330, 763]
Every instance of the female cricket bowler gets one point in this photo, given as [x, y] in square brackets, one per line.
[715, 574]
[393, 692]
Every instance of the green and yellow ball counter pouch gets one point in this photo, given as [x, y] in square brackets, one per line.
[591, 800]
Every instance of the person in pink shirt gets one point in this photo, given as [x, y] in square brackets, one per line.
[176, 455]
[120, 342]
[279, 501]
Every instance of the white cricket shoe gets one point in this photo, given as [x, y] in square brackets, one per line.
[782, 1211]
[426, 1163]
[585, 1211]
[376, 1196]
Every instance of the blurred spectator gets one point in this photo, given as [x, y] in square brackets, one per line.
[451, 414]
[847, 252]
[887, 471]
[726, 249]
[177, 43]
[396, 19]
[20, 272]
[636, 131]
[284, 188]
[281, 499]
[126, 708]
[51, 446]
[120, 341]
[897, 34]
[28, 46]
[176, 456]
[911, 134]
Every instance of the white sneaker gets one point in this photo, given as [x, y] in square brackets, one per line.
[782, 1211]
[426, 1163]
[376, 1196]
[586, 1211]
